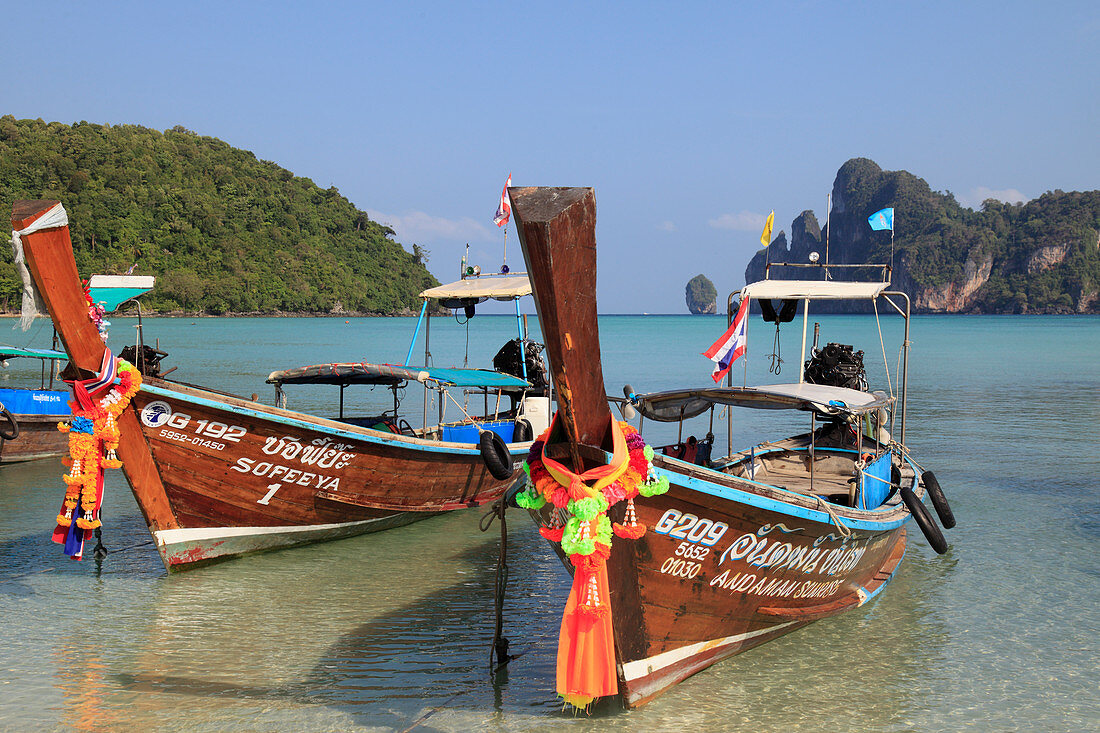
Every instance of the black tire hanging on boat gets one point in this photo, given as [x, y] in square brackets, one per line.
[924, 520]
[494, 451]
[523, 431]
[939, 501]
[12, 431]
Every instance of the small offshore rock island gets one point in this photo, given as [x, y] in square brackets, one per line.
[1039, 257]
[701, 296]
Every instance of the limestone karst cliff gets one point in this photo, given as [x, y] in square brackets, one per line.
[1039, 257]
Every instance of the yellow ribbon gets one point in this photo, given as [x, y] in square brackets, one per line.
[602, 475]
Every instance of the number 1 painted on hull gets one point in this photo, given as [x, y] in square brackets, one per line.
[271, 489]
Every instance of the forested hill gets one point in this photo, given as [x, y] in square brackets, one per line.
[1042, 256]
[222, 231]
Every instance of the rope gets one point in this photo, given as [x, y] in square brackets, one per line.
[906, 454]
[882, 345]
[480, 429]
[777, 350]
[844, 531]
[498, 652]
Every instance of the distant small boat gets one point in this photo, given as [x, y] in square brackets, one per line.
[741, 548]
[217, 475]
[29, 415]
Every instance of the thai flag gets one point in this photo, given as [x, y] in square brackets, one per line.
[108, 371]
[505, 209]
[731, 346]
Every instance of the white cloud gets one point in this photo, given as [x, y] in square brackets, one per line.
[981, 193]
[666, 226]
[746, 221]
[419, 227]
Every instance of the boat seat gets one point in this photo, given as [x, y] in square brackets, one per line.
[692, 451]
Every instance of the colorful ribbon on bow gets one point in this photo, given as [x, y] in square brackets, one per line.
[586, 649]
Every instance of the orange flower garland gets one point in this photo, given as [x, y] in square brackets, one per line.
[93, 440]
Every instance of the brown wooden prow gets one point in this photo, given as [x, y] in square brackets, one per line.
[49, 257]
[557, 230]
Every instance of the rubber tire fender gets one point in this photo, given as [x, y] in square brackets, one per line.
[924, 520]
[495, 454]
[523, 432]
[6, 416]
[939, 501]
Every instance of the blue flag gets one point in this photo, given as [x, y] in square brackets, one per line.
[883, 219]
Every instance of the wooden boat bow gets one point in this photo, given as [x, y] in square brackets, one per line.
[49, 257]
[557, 231]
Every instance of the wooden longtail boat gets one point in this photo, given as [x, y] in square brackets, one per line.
[740, 549]
[216, 475]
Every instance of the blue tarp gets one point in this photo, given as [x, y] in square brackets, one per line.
[876, 482]
[35, 401]
[467, 432]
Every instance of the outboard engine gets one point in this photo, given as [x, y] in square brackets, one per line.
[510, 360]
[837, 365]
[147, 361]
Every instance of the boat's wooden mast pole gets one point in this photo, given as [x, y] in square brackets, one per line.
[557, 231]
[49, 257]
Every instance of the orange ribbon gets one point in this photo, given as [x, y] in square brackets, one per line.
[602, 475]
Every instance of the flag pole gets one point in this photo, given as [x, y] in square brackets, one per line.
[828, 214]
[891, 248]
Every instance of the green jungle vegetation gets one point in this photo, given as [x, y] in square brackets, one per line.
[222, 231]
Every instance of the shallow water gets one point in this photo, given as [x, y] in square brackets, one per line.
[389, 631]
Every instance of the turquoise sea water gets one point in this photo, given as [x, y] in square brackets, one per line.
[389, 631]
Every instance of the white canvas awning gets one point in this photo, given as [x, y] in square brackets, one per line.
[823, 399]
[501, 287]
[812, 289]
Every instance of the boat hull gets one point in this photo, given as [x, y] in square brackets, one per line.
[241, 477]
[721, 570]
[189, 547]
[38, 438]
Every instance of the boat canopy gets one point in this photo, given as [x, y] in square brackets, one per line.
[499, 287]
[680, 404]
[813, 290]
[12, 351]
[392, 374]
[111, 291]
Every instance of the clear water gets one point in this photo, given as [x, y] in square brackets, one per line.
[392, 631]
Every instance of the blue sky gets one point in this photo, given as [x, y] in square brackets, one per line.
[691, 120]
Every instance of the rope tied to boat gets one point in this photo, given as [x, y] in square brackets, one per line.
[474, 422]
[498, 652]
[905, 454]
[845, 532]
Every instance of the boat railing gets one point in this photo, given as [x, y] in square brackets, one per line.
[825, 267]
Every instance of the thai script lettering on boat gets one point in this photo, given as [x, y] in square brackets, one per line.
[322, 452]
[760, 553]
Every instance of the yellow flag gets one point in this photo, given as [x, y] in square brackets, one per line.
[766, 237]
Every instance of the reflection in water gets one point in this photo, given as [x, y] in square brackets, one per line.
[382, 631]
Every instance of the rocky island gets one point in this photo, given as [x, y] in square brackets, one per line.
[1042, 256]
